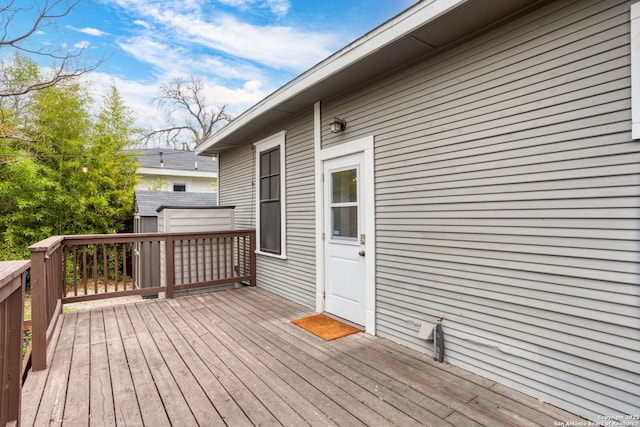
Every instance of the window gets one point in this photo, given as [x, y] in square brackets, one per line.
[270, 201]
[180, 187]
[344, 205]
[270, 196]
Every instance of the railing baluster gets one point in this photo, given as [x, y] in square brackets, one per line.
[105, 268]
[116, 266]
[182, 262]
[133, 262]
[142, 261]
[84, 268]
[197, 264]
[226, 273]
[65, 255]
[218, 258]
[158, 264]
[95, 269]
[170, 258]
[124, 266]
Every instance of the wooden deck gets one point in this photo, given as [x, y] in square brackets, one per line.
[233, 358]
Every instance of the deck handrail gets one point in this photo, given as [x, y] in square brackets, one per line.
[12, 287]
[67, 269]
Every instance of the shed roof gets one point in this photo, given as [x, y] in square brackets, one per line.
[174, 159]
[423, 30]
[148, 202]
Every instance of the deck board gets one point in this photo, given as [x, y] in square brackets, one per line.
[100, 392]
[234, 358]
[125, 400]
[76, 407]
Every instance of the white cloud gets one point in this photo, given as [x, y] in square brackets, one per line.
[89, 31]
[173, 60]
[81, 44]
[142, 23]
[277, 7]
[183, 23]
[275, 46]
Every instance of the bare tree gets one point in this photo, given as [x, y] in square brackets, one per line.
[15, 35]
[190, 120]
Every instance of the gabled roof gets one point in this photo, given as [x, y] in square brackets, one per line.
[174, 159]
[423, 30]
[148, 202]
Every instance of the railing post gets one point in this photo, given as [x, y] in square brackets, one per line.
[39, 321]
[170, 260]
[252, 257]
[16, 330]
[12, 281]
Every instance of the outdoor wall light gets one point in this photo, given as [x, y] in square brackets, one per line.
[337, 125]
[85, 167]
[161, 160]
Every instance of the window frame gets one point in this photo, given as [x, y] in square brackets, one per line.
[274, 141]
[356, 204]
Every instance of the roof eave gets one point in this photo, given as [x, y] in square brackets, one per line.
[394, 29]
[369, 56]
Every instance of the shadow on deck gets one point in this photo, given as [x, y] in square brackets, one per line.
[234, 358]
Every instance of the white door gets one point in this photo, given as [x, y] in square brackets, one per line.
[344, 225]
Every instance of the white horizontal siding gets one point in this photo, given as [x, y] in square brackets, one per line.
[507, 201]
[294, 277]
[236, 184]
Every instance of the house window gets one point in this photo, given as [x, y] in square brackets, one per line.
[635, 70]
[270, 195]
[180, 187]
[270, 201]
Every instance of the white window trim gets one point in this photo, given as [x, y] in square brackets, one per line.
[273, 141]
[635, 70]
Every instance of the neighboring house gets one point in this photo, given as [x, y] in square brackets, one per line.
[488, 175]
[179, 180]
[162, 169]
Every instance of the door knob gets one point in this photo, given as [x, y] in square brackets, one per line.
[361, 253]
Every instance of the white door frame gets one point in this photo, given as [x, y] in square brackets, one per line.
[365, 146]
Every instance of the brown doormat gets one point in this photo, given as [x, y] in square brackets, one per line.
[325, 327]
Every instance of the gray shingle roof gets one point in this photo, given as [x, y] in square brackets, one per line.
[148, 202]
[174, 159]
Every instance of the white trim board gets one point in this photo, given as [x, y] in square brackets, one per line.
[363, 145]
[635, 70]
[275, 140]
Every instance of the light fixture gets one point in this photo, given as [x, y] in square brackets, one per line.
[337, 125]
[161, 161]
[85, 167]
[214, 157]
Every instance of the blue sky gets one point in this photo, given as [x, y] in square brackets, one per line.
[241, 49]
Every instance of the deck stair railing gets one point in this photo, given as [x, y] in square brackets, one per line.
[67, 269]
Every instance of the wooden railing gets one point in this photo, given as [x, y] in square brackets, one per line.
[12, 283]
[67, 269]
